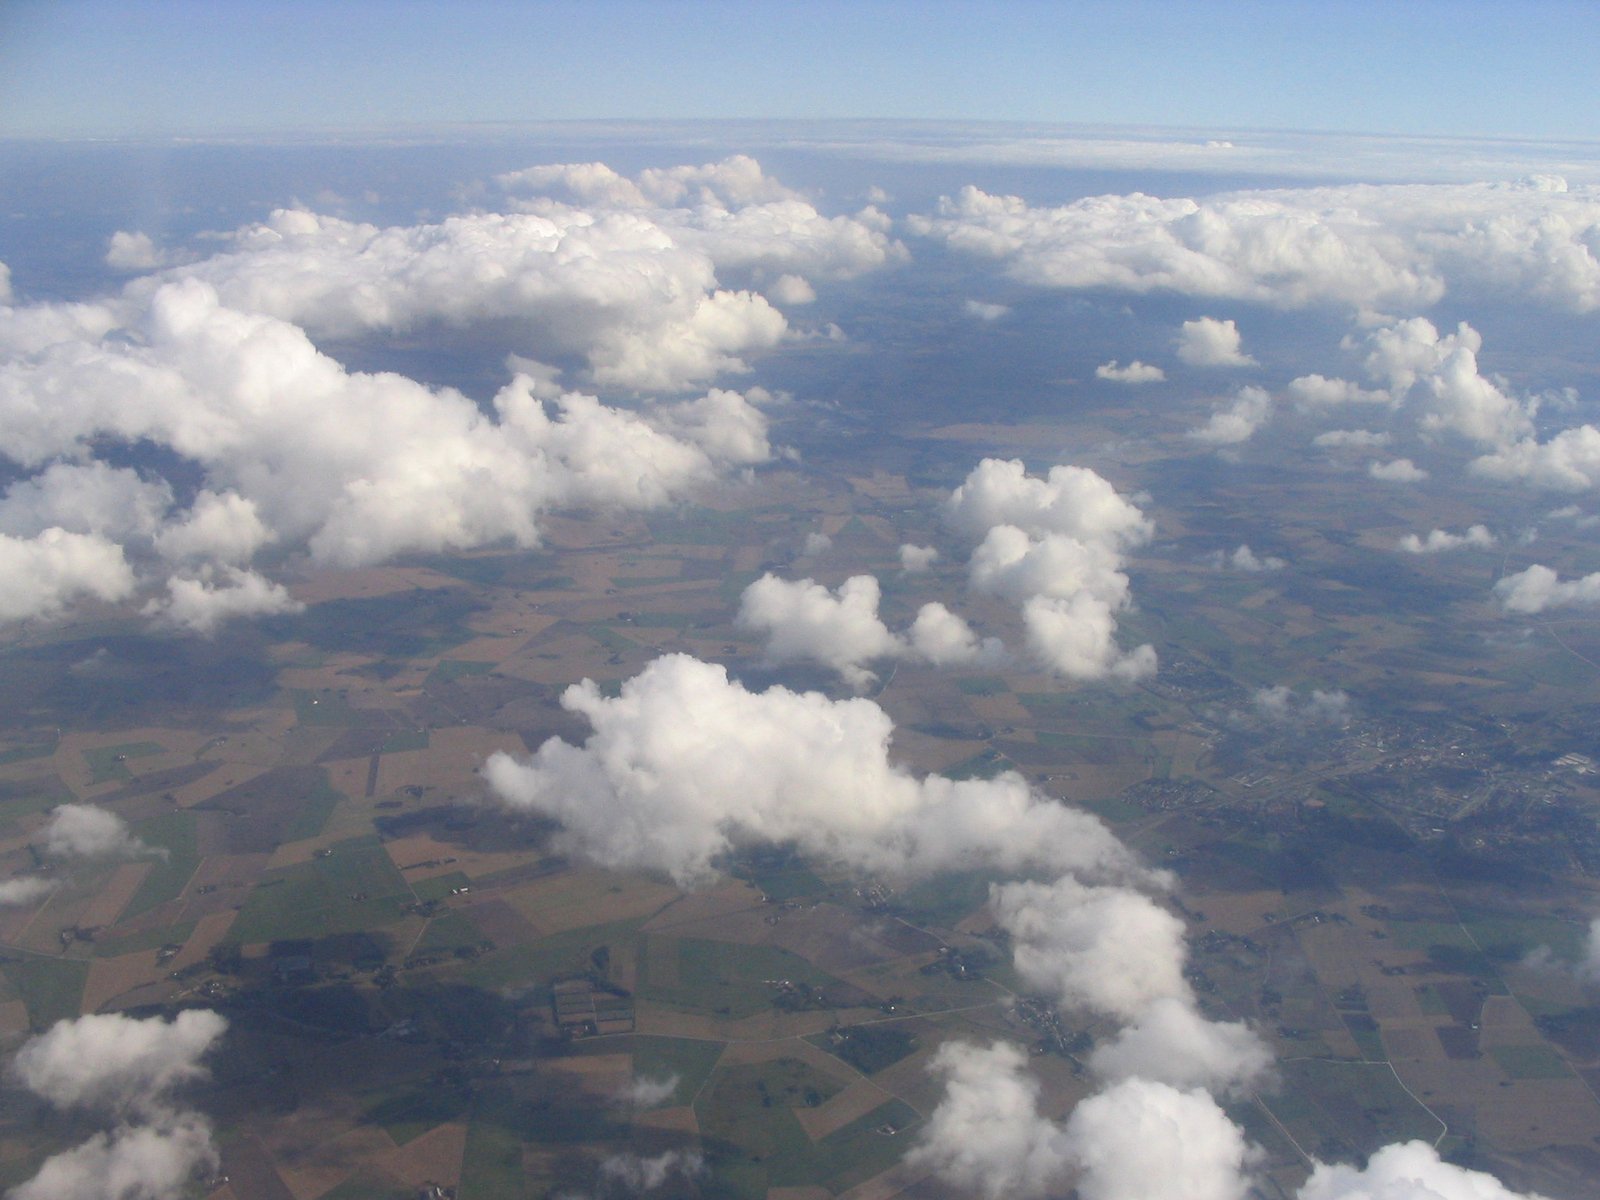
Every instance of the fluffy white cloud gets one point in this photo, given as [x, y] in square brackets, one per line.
[1069, 500]
[1077, 637]
[1108, 948]
[1056, 545]
[1539, 588]
[1208, 342]
[634, 1173]
[204, 605]
[987, 1136]
[25, 889]
[1568, 462]
[127, 251]
[126, 1068]
[86, 498]
[815, 544]
[1280, 705]
[1238, 422]
[940, 637]
[1440, 540]
[685, 764]
[1137, 1140]
[645, 1091]
[89, 831]
[914, 560]
[1143, 1140]
[1009, 562]
[1134, 372]
[1170, 1042]
[1399, 470]
[219, 529]
[803, 620]
[1405, 1171]
[39, 576]
[296, 449]
[627, 278]
[117, 1063]
[1311, 393]
[1432, 376]
[1393, 247]
[1242, 558]
[157, 1161]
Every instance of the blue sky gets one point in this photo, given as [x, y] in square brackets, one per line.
[159, 67]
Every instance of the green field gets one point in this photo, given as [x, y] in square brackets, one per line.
[52, 988]
[724, 978]
[108, 762]
[355, 887]
[173, 832]
[1536, 1061]
[690, 1059]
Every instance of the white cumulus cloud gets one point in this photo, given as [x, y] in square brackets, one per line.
[1134, 372]
[686, 764]
[1208, 342]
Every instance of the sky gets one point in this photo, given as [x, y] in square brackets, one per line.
[227, 67]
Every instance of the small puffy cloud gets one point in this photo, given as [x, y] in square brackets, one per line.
[1538, 588]
[985, 311]
[914, 560]
[803, 621]
[1111, 949]
[686, 764]
[1568, 462]
[218, 528]
[115, 1063]
[815, 544]
[1238, 422]
[1399, 470]
[158, 1161]
[1010, 562]
[1311, 393]
[1170, 1042]
[1280, 705]
[1069, 500]
[635, 1174]
[645, 1091]
[41, 575]
[1076, 637]
[204, 605]
[25, 889]
[987, 1136]
[133, 252]
[1405, 1171]
[1242, 558]
[85, 498]
[1437, 375]
[791, 289]
[1351, 439]
[1144, 1140]
[1056, 545]
[1440, 540]
[91, 832]
[1208, 342]
[940, 637]
[1134, 372]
